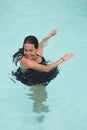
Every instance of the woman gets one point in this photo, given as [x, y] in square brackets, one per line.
[33, 68]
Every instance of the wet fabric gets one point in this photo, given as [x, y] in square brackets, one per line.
[34, 77]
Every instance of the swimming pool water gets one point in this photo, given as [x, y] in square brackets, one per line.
[62, 104]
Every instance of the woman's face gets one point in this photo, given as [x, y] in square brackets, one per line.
[30, 52]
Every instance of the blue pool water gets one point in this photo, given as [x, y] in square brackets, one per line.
[62, 105]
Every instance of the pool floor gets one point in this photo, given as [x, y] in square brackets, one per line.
[62, 104]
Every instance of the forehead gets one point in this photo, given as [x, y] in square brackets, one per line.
[29, 46]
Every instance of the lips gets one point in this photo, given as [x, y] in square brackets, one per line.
[29, 57]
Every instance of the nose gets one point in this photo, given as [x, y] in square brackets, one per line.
[27, 53]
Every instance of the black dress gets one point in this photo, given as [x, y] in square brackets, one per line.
[34, 77]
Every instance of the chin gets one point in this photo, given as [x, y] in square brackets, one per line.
[30, 58]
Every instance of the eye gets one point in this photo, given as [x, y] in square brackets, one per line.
[30, 50]
[25, 50]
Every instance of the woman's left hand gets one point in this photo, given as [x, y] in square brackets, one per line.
[68, 56]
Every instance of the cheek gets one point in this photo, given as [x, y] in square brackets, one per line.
[25, 52]
[34, 52]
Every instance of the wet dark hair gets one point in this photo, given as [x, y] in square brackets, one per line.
[30, 40]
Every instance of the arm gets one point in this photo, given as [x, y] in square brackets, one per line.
[33, 65]
[44, 40]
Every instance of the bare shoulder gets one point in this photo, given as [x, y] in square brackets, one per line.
[28, 63]
[25, 61]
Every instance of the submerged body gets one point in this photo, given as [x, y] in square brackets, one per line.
[34, 77]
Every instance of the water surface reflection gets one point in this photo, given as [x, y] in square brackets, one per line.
[39, 95]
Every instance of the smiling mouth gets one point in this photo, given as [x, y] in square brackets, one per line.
[28, 56]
